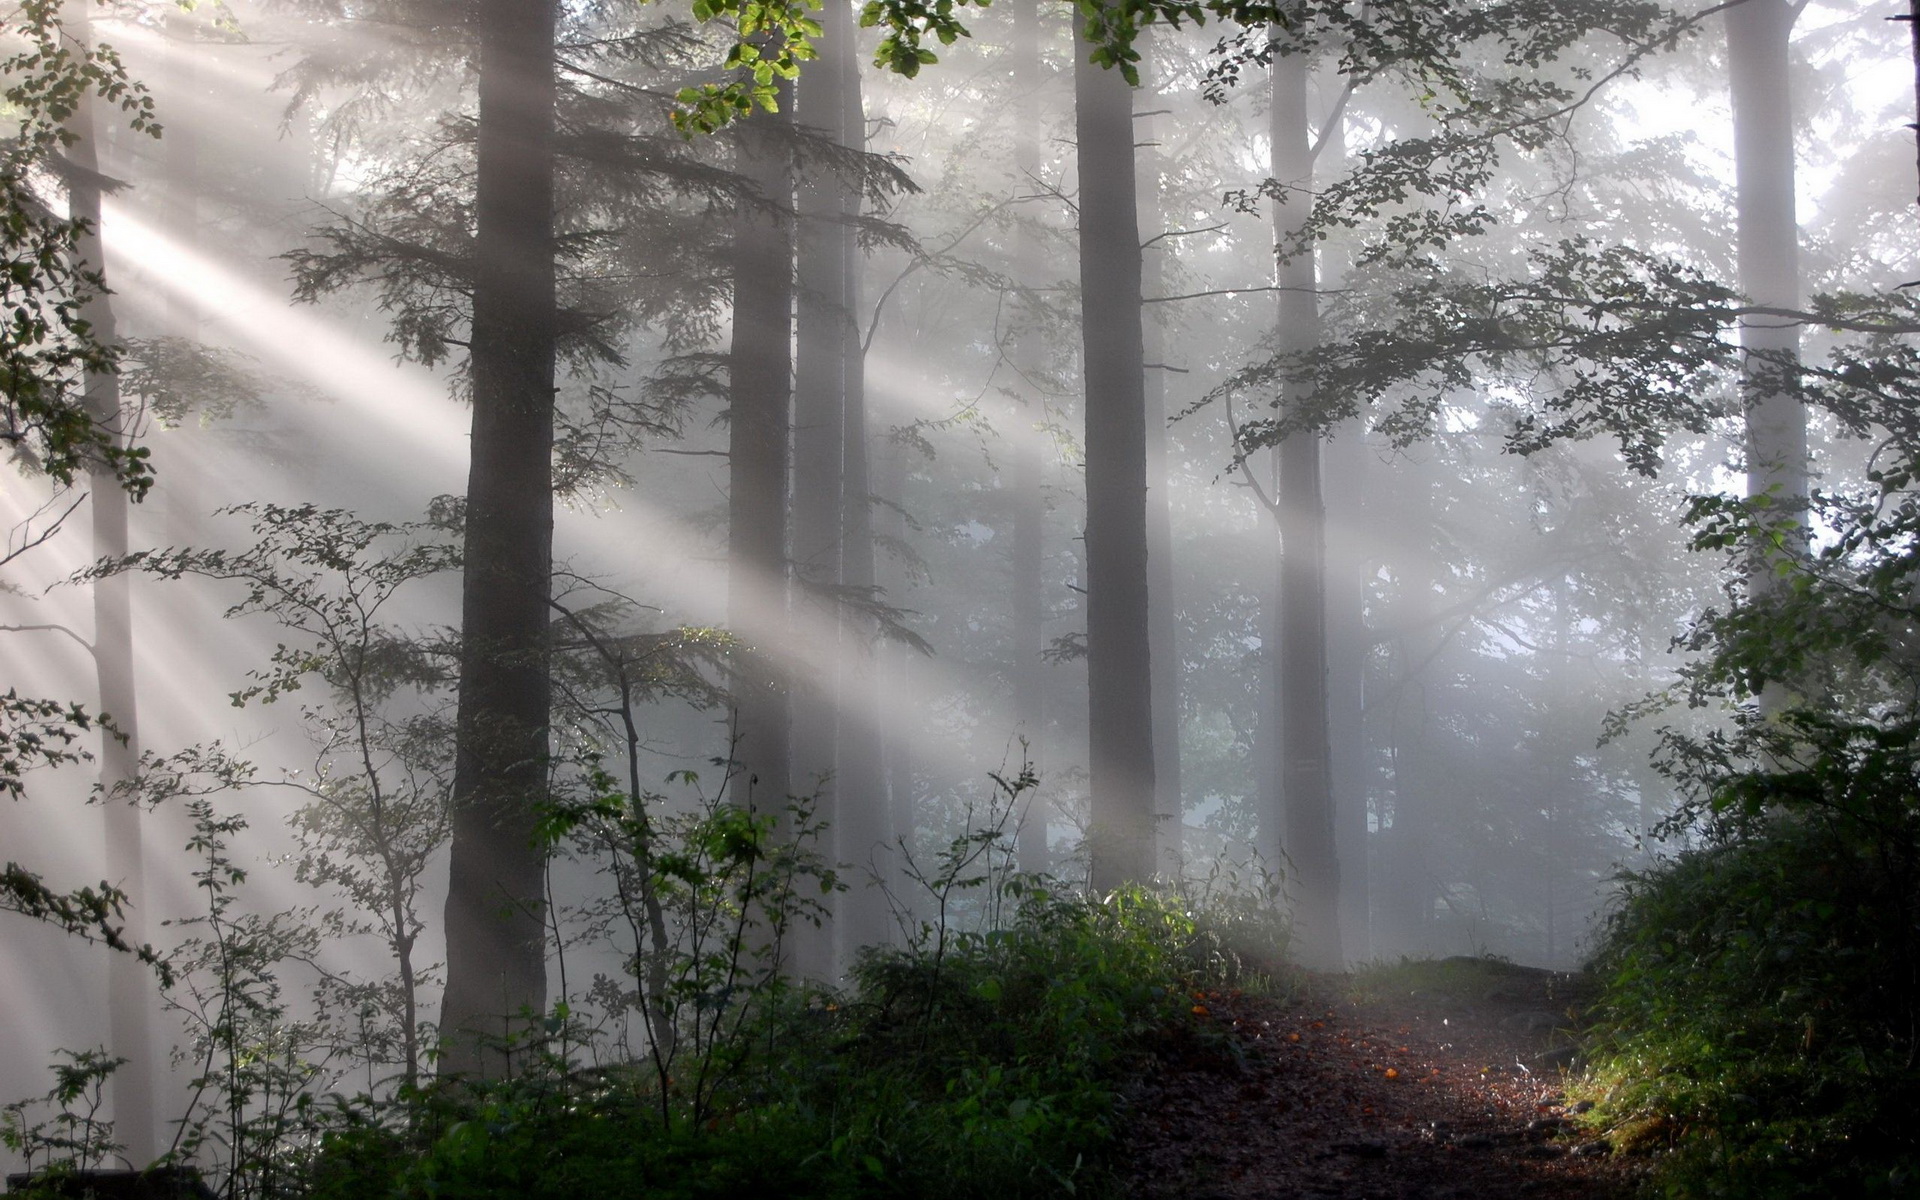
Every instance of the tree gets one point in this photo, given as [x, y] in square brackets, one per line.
[1026, 570]
[1305, 772]
[757, 447]
[58, 414]
[1767, 248]
[496, 940]
[1119, 669]
[130, 999]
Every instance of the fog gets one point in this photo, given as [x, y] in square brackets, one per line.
[1487, 555]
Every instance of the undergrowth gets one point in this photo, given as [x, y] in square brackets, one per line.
[990, 1070]
[1760, 1016]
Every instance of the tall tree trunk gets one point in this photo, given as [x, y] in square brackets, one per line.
[1027, 568]
[866, 819]
[1768, 246]
[130, 992]
[1163, 626]
[1119, 667]
[819, 442]
[1306, 781]
[758, 439]
[1345, 459]
[896, 670]
[184, 499]
[1345, 463]
[496, 943]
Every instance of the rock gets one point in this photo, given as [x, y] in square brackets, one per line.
[1543, 1150]
[1592, 1149]
[1474, 1141]
[1584, 1106]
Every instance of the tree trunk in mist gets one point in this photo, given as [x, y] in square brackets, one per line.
[819, 443]
[1345, 462]
[866, 819]
[757, 443]
[1403, 900]
[184, 503]
[1119, 667]
[131, 995]
[1768, 246]
[496, 929]
[1306, 777]
[1163, 627]
[1344, 457]
[1026, 414]
[896, 666]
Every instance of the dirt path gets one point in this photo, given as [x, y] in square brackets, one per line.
[1421, 1095]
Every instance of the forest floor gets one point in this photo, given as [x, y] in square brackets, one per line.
[1448, 1092]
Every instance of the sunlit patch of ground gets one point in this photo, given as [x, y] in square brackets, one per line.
[1406, 1093]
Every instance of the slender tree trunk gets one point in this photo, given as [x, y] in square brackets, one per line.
[896, 667]
[1345, 458]
[866, 820]
[1768, 246]
[819, 442]
[1119, 667]
[1163, 626]
[1306, 779]
[496, 928]
[1027, 568]
[757, 447]
[184, 499]
[131, 998]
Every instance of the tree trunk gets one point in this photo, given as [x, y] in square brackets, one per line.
[1345, 459]
[1768, 246]
[1306, 780]
[819, 442]
[1119, 667]
[1026, 414]
[896, 674]
[866, 820]
[758, 438]
[1163, 627]
[131, 998]
[496, 944]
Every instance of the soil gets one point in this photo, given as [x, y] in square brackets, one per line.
[1403, 1095]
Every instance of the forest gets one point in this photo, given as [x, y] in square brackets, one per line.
[1125, 598]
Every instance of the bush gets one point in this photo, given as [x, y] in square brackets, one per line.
[989, 1067]
[1761, 1012]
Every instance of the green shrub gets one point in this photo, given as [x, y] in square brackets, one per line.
[1760, 1013]
[990, 1067]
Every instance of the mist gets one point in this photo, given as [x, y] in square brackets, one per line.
[1326, 466]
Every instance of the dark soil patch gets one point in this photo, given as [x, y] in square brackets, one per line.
[1425, 1093]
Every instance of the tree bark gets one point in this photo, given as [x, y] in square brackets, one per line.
[757, 445]
[496, 941]
[1306, 779]
[131, 998]
[1119, 667]
[1026, 413]
[866, 819]
[1768, 247]
[819, 443]
[1163, 626]
[1345, 461]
